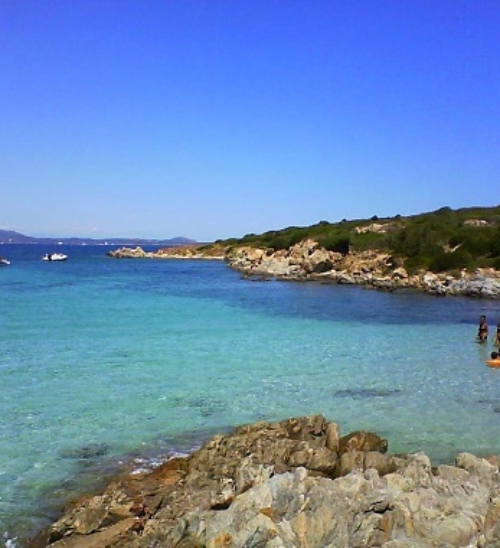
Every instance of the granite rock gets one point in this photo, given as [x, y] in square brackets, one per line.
[293, 484]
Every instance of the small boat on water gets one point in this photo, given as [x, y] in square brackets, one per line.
[4, 261]
[54, 257]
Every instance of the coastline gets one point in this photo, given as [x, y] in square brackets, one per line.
[165, 270]
[294, 483]
[308, 261]
[437, 302]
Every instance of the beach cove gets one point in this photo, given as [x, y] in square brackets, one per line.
[105, 361]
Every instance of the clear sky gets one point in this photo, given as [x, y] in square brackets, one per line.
[216, 118]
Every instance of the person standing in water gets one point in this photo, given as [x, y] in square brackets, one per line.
[497, 335]
[482, 331]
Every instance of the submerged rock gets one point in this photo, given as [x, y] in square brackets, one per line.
[86, 451]
[291, 484]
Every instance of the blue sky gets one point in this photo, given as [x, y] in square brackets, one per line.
[211, 119]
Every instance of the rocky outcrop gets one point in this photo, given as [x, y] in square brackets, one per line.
[477, 222]
[296, 483]
[307, 260]
[178, 252]
[376, 228]
[130, 253]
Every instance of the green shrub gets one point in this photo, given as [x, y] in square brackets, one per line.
[495, 243]
[415, 240]
[478, 245]
[476, 240]
[369, 240]
[450, 260]
[414, 264]
[335, 243]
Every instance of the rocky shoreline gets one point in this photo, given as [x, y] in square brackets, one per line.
[308, 261]
[179, 252]
[290, 484]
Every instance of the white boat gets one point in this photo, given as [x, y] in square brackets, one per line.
[54, 257]
[4, 261]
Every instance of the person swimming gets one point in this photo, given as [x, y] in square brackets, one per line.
[482, 331]
[494, 360]
[497, 335]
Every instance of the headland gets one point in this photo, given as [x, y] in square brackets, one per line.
[307, 260]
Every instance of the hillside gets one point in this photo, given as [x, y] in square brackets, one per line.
[441, 240]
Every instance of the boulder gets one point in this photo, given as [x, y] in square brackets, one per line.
[362, 441]
[291, 484]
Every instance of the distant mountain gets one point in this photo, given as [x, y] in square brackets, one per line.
[11, 237]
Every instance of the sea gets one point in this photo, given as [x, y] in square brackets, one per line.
[107, 364]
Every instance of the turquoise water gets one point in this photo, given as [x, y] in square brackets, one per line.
[105, 360]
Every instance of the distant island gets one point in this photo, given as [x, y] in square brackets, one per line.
[11, 237]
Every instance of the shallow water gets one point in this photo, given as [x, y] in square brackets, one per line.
[103, 359]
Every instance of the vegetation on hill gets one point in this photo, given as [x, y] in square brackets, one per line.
[441, 240]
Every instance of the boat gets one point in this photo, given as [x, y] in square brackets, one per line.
[54, 257]
[4, 261]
